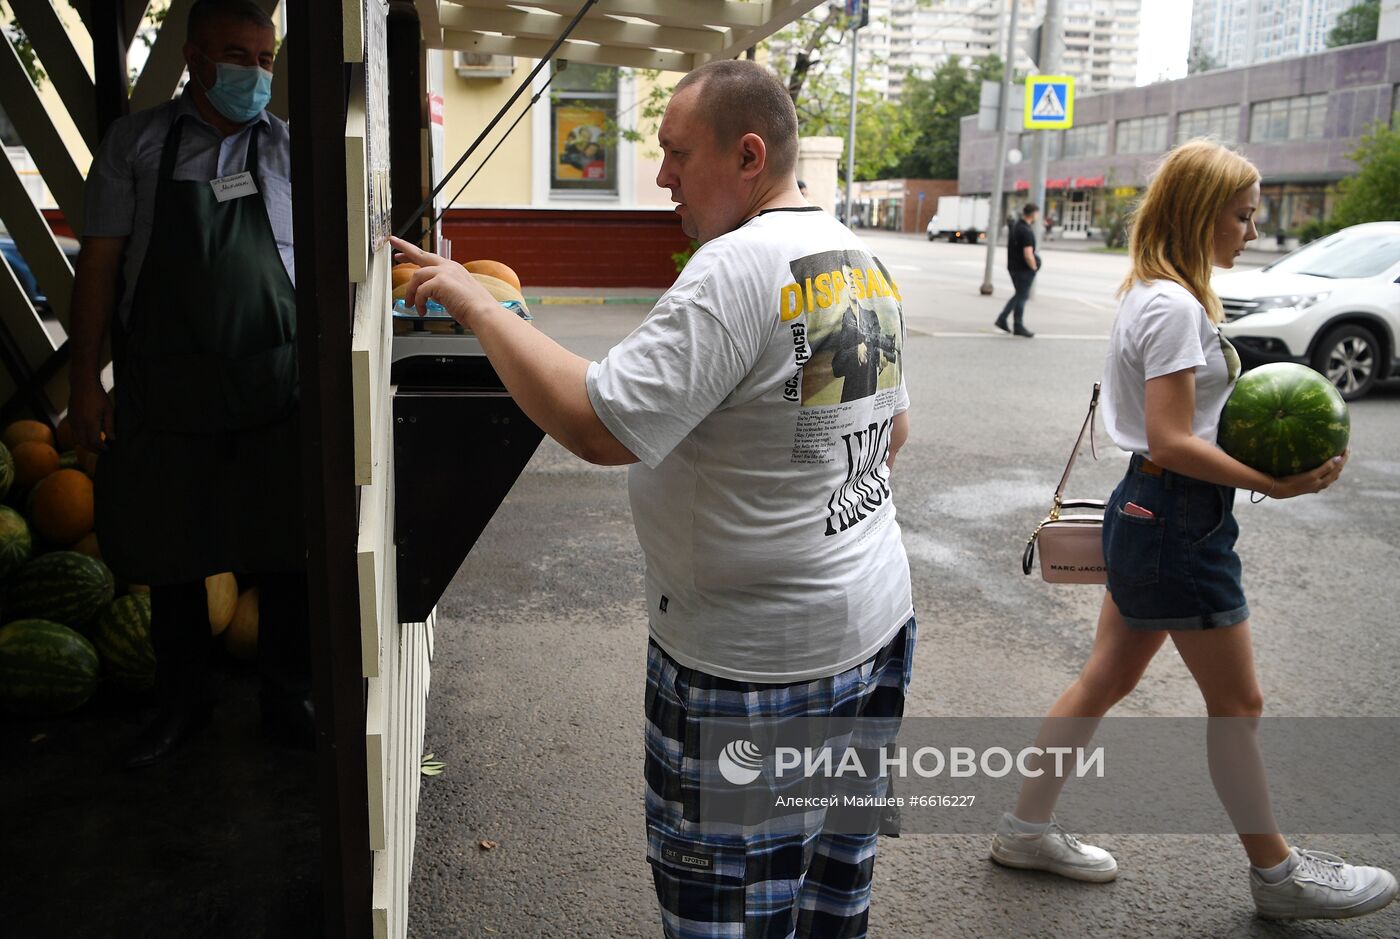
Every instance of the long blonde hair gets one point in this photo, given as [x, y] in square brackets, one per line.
[1173, 226]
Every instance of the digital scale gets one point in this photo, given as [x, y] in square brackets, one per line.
[433, 351]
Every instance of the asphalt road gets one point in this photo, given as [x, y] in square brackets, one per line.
[536, 701]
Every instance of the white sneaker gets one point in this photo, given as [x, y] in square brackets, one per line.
[1322, 886]
[1055, 850]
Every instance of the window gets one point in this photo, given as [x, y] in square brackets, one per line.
[1223, 124]
[1141, 135]
[1087, 141]
[583, 138]
[1299, 118]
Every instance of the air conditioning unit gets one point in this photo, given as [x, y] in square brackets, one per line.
[483, 64]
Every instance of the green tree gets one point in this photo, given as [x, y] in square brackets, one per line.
[1358, 23]
[1199, 60]
[935, 106]
[22, 46]
[1373, 193]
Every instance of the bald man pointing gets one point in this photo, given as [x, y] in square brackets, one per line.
[777, 586]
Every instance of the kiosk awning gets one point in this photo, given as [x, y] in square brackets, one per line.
[673, 35]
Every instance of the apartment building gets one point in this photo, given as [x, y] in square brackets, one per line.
[1234, 33]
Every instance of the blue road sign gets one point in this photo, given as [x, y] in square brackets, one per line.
[1049, 102]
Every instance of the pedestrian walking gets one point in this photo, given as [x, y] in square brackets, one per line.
[187, 262]
[1022, 263]
[777, 584]
[1169, 543]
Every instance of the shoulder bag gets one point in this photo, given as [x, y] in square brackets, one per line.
[1071, 546]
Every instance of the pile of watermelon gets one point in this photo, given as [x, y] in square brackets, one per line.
[66, 626]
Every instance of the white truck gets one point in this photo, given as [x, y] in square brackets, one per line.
[960, 218]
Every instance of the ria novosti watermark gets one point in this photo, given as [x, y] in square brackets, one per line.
[1129, 774]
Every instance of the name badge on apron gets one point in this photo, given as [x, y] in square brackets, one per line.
[234, 187]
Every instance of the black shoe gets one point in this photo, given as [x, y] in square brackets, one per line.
[172, 726]
[1001, 325]
[1022, 331]
[289, 719]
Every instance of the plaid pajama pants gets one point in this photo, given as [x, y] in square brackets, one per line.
[792, 876]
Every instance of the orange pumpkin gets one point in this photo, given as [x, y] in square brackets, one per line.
[62, 506]
[402, 272]
[33, 462]
[25, 431]
[494, 269]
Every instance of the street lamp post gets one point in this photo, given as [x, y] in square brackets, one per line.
[851, 130]
[994, 219]
[1049, 56]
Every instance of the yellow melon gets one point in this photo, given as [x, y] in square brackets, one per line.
[494, 269]
[222, 593]
[241, 638]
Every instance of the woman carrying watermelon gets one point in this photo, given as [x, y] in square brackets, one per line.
[1169, 535]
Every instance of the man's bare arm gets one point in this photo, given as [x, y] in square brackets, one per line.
[94, 300]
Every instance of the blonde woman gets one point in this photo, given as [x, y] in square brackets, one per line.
[1169, 542]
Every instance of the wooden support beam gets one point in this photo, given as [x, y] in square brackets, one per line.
[60, 60]
[318, 92]
[727, 13]
[35, 242]
[24, 346]
[26, 111]
[778, 13]
[166, 63]
[573, 51]
[604, 31]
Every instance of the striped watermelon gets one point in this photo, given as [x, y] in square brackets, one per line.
[1283, 419]
[45, 668]
[64, 587]
[16, 542]
[7, 471]
[123, 640]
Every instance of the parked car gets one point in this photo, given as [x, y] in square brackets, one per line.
[26, 278]
[1333, 304]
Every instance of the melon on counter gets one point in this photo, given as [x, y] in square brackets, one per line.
[26, 431]
[62, 506]
[494, 269]
[222, 593]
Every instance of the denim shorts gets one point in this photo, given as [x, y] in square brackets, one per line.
[1177, 569]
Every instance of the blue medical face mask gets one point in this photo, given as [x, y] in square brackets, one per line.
[239, 92]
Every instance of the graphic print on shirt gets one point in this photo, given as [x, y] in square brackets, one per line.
[847, 325]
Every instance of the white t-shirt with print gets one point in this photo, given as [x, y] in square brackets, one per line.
[762, 501]
[1162, 328]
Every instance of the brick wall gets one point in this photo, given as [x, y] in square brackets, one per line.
[571, 248]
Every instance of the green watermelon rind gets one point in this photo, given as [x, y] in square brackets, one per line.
[1252, 432]
[62, 587]
[122, 638]
[7, 471]
[45, 668]
[16, 541]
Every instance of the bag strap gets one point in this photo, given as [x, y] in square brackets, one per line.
[1086, 427]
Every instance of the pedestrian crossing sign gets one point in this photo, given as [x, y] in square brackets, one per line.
[1049, 102]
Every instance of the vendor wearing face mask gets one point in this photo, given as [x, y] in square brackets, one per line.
[188, 241]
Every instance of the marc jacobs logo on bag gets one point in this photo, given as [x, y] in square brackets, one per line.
[1097, 569]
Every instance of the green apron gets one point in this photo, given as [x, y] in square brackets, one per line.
[205, 472]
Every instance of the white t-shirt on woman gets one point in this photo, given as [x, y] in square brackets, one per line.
[1162, 328]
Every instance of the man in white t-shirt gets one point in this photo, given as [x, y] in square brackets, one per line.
[777, 585]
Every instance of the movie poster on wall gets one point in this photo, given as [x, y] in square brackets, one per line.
[582, 151]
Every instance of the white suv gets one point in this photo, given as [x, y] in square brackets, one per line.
[1333, 304]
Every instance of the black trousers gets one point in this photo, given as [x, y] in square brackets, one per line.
[1016, 306]
[180, 635]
